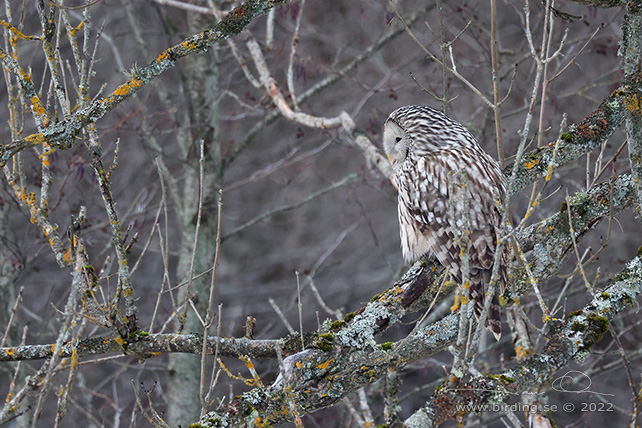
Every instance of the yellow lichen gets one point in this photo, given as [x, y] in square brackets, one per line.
[125, 88]
[35, 139]
[188, 44]
[325, 365]
[456, 303]
[632, 102]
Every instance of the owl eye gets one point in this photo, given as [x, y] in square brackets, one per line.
[397, 139]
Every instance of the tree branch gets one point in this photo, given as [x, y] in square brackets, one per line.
[581, 138]
[349, 356]
[152, 345]
[62, 135]
[567, 340]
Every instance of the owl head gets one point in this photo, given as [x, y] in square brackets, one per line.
[421, 130]
[396, 141]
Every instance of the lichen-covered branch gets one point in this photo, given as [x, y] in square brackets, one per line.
[125, 287]
[631, 53]
[318, 378]
[39, 217]
[583, 137]
[349, 357]
[549, 241]
[146, 345]
[61, 135]
[568, 339]
[602, 3]
[321, 377]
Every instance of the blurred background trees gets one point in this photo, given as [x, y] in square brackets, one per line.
[259, 151]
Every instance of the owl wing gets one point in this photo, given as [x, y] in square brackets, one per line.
[487, 187]
[428, 221]
[423, 211]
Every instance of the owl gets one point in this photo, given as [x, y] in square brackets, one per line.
[434, 158]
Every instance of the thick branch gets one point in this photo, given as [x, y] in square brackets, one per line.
[145, 346]
[568, 339]
[549, 241]
[581, 138]
[322, 378]
[357, 359]
[631, 52]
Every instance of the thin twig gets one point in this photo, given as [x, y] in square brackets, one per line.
[348, 179]
[300, 308]
[295, 42]
[199, 213]
[209, 319]
[281, 316]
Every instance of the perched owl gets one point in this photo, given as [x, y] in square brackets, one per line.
[427, 151]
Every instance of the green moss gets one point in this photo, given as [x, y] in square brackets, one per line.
[324, 345]
[348, 317]
[324, 342]
[605, 296]
[596, 326]
[566, 137]
[247, 410]
[599, 323]
[575, 313]
[622, 276]
[386, 346]
[507, 379]
[138, 334]
[376, 297]
[563, 207]
[327, 336]
[503, 301]
[502, 378]
[337, 325]
[640, 252]
[578, 326]
[628, 299]
[530, 157]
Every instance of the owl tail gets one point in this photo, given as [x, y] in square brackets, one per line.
[479, 277]
[494, 318]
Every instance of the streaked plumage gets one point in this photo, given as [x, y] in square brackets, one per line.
[427, 150]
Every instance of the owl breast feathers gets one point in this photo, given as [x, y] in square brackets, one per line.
[447, 184]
